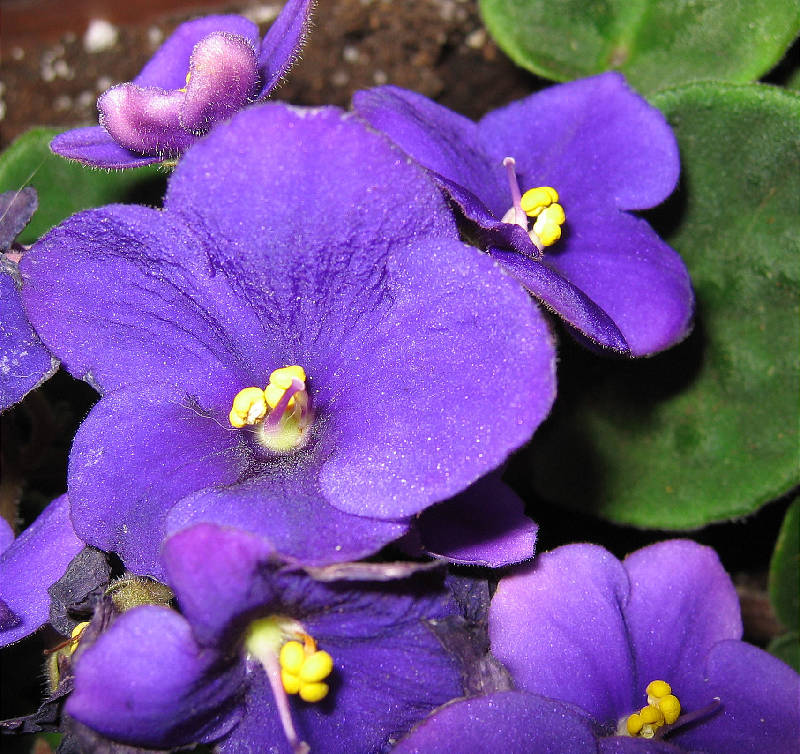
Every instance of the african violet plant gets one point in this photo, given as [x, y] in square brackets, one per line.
[285, 514]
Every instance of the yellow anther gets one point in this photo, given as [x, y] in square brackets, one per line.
[548, 225]
[657, 689]
[292, 657]
[280, 381]
[670, 708]
[317, 667]
[536, 199]
[314, 692]
[249, 407]
[634, 724]
[663, 708]
[651, 715]
[303, 668]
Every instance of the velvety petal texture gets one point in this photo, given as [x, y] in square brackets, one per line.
[206, 70]
[30, 565]
[146, 681]
[16, 210]
[389, 667]
[580, 627]
[426, 364]
[511, 722]
[605, 150]
[485, 525]
[24, 361]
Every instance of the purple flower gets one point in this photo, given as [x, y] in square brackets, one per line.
[300, 253]
[223, 669]
[591, 150]
[24, 362]
[30, 565]
[206, 71]
[650, 644]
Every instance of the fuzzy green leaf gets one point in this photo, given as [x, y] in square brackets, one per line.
[787, 648]
[65, 187]
[655, 43]
[708, 430]
[784, 570]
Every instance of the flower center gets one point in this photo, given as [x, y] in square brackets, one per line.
[281, 412]
[541, 203]
[293, 665]
[663, 708]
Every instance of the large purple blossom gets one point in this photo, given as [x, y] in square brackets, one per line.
[605, 151]
[289, 237]
[157, 678]
[591, 633]
[24, 361]
[206, 71]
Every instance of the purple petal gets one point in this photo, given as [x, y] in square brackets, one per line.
[94, 146]
[282, 506]
[681, 603]
[388, 673]
[34, 561]
[441, 140]
[224, 78]
[558, 626]
[376, 633]
[6, 535]
[25, 363]
[511, 722]
[167, 69]
[281, 46]
[484, 525]
[144, 120]
[158, 318]
[625, 745]
[16, 210]
[460, 373]
[760, 704]
[394, 316]
[622, 265]
[593, 137]
[146, 681]
[561, 296]
[131, 460]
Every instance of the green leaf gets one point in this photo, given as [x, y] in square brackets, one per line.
[707, 431]
[655, 43]
[65, 187]
[784, 570]
[787, 648]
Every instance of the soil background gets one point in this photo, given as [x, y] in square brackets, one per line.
[55, 63]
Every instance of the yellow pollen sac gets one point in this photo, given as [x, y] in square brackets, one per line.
[548, 224]
[304, 668]
[663, 708]
[536, 199]
[249, 407]
[280, 381]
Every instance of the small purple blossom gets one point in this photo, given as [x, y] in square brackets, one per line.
[296, 248]
[606, 152]
[157, 678]
[581, 628]
[24, 362]
[206, 71]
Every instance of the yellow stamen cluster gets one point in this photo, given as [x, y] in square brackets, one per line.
[252, 404]
[304, 669]
[662, 709]
[542, 203]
